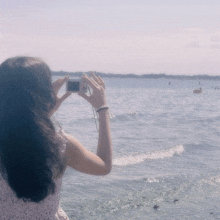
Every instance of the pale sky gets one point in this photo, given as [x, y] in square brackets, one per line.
[115, 36]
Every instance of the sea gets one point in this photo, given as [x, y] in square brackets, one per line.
[166, 160]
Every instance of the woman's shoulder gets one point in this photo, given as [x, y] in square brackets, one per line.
[60, 133]
[62, 140]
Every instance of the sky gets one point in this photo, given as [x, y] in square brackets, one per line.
[114, 36]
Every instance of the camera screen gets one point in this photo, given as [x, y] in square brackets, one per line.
[73, 86]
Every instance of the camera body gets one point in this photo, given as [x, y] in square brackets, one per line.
[76, 85]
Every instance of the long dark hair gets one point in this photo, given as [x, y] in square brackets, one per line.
[29, 150]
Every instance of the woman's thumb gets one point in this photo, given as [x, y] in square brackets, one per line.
[66, 95]
[82, 94]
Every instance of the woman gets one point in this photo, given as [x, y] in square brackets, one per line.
[33, 156]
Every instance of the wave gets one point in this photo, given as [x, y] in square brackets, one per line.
[125, 117]
[131, 160]
[214, 180]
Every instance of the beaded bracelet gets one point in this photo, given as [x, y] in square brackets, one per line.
[102, 108]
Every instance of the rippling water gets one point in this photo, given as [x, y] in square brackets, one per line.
[166, 152]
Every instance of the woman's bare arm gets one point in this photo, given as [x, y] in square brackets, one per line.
[78, 157]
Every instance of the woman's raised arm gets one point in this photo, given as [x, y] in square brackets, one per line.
[78, 157]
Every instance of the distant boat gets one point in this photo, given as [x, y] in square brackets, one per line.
[198, 90]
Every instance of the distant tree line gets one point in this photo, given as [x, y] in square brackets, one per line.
[143, 76]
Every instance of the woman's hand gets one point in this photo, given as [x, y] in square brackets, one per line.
[98, 97]
[56, 86]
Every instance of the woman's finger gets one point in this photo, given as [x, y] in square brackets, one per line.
[58, 83]
[83, 95]
[95, 78]
[91, 82]
[102, 82]
[66, 95]
[64, 80]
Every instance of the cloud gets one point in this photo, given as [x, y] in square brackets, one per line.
[215, 38]
[120, 51]
[215, 46]
[193, 44]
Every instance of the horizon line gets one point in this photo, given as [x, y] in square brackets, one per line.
[133, 75]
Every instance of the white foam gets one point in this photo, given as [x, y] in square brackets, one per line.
[130, 160]
[152, 180]
[215, 180]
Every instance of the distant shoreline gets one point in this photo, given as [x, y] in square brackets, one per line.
[143, 76]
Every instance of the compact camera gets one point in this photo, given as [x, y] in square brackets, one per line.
[76, 85]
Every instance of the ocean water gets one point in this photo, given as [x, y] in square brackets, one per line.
[166, 143]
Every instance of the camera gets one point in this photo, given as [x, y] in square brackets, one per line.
[76, 85]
